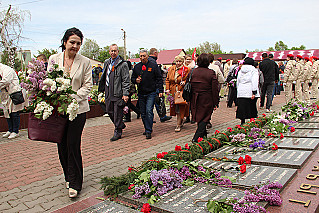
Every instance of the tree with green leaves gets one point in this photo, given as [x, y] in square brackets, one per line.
[302, 47]
[104, 54]
[280, 45]
[90, 49]
[46, 52]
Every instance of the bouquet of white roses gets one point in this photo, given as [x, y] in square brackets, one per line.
[50, 91]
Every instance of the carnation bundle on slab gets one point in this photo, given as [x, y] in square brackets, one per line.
[50, 92]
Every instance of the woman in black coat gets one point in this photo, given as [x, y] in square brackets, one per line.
[205, 97]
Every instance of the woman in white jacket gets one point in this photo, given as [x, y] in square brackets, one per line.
[9, 83]
[247, 91]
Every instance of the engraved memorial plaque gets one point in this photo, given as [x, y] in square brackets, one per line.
[108, 206]
[279, 158]
[254, 173]
[303, 133]
[308, 144]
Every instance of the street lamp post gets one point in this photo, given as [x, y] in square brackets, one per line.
[124, 44]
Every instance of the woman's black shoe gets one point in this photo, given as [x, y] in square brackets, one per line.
[187, 120]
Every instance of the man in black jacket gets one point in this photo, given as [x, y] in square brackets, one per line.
[115, 82]
[150, 84]
[271, 76]
[153, 57]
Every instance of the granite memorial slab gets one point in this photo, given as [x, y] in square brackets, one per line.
[313, 119]
[110, 207]
[308, 144]
[306, 125]
[278, 158]
[303, 133]
[254, 174]
[183, 199]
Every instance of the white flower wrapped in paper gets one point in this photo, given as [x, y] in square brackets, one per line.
[73, 109]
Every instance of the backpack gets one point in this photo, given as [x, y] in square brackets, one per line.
[233, 74]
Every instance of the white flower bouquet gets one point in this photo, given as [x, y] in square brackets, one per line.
[50, 91]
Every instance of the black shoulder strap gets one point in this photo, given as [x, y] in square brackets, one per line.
[190, 76]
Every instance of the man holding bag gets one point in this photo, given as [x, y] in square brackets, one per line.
[150, 84]
[175, 82]
[115, 81]
[9, 84]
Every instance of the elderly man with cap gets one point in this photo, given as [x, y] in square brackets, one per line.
[289, 76]
[307, 75]
[314, 77]
[299, 79]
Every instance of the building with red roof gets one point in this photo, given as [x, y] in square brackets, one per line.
[165, 57]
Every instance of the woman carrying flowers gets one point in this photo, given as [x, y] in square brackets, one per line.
[175, 82]
[78, 68]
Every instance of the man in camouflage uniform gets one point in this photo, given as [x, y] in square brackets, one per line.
[314, 78]
[299, 79]
[289, 76]
[307, 75]
[226, 71]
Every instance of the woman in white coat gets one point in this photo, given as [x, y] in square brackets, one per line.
[78, 68]
[9, 83]
[247, 91]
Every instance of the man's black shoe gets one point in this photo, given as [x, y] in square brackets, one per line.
[148, 135]
[192, 122]
[209, 125]
[154, 121]
[187, 120]
[127, 120]
[138, 116]
[115, 138]
[144, 133]
[166, 118]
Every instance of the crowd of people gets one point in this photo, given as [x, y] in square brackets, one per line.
[242, 81]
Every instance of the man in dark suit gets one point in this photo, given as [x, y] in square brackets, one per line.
[115, 81]
[271, 75]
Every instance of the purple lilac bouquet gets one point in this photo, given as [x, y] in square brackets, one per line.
[50, 91]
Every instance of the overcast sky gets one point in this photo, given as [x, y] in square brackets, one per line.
[236, 25]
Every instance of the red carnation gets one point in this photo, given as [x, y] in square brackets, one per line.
[281, 136]
[178, 148]
[230, 129]
[252, 120]
[131, 186]
[317, 107]
[164, 153]
[238, 126]
[186, 146]
[143, 67]
[248, 159]
[199, 139]
[240, 160]
[264, 114]
[292, 129]
[160, 155]
[130, 168]
[274, 146]
[270, 134]
[216, 132]
[146, 208]
[243, 168]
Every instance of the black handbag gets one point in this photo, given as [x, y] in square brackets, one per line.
[187, 91]
[160, 101]
[17, 97]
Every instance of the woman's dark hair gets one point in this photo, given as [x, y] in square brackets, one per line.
[68, 33]
[203, 60]
[249, 61]
[211, 56]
